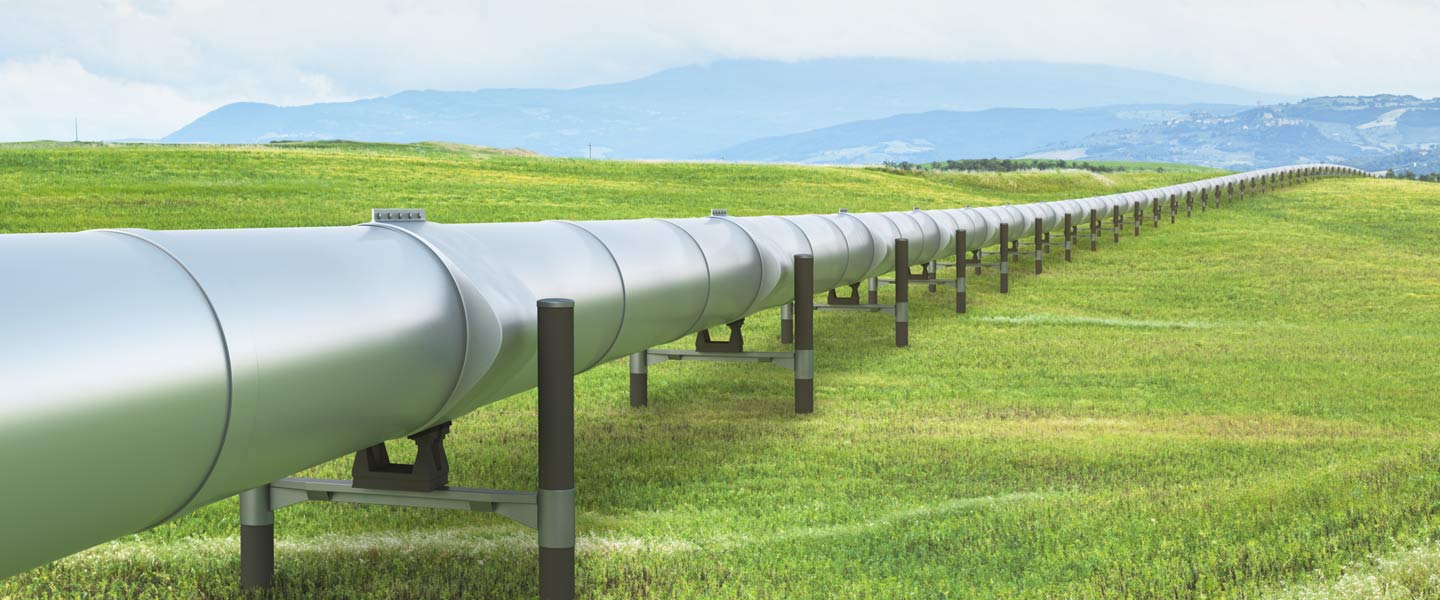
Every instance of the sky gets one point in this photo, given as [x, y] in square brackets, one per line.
[144, 68]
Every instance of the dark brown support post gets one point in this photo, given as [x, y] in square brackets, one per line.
[1117, 222]
[902, 293]
[555, 499]
[804, 314]
[1174, 208]
[257, 539]
[934, 272]
[1004, 258]
[1204, 199]
[960, 271]
[1069, 235]
[1189, 204]
[872, 290]
[639, 380]
[787, 323]
[1039, 224]
[1155, 213]
[1139, 218]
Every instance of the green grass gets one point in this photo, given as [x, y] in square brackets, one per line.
[1412, 574]
[1240, 404]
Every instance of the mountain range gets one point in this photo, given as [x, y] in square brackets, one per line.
[1370, 132]
[942, 134]
[867, 111]
[696, 111]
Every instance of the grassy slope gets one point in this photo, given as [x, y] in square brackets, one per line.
[60, 187]
[1215, 409]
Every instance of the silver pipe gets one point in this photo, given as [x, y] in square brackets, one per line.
[148, 373]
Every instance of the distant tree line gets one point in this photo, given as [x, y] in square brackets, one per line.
[999, 165]
[1411, 175]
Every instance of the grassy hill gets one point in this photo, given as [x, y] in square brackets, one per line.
[67, 186]
[1238, 405]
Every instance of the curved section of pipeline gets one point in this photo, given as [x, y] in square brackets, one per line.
[147, 373]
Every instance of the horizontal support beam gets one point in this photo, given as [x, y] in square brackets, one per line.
[950, 282]
[782, 359]
[888, 309]
[517, 506]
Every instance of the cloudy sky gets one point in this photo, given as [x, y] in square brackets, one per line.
[143, 68]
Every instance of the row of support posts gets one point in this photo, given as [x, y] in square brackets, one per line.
[1070, 231]
[550, 509]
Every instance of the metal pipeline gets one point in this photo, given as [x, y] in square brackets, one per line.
[147, 373]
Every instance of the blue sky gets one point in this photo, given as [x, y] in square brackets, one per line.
[142, 68]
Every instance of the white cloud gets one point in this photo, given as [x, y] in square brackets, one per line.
[151, 59]
[41, 98]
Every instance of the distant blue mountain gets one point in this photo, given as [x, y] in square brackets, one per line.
[942, 135]
[1369, 132]
[693, 111]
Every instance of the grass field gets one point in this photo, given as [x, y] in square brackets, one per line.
[1240, 405]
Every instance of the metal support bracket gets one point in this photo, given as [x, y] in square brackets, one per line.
[736, 343]
[833, 299]
[926, 276]
[372, 467]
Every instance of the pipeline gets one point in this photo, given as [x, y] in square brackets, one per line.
[148, 373]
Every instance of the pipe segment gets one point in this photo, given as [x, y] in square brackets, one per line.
[148, 373]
